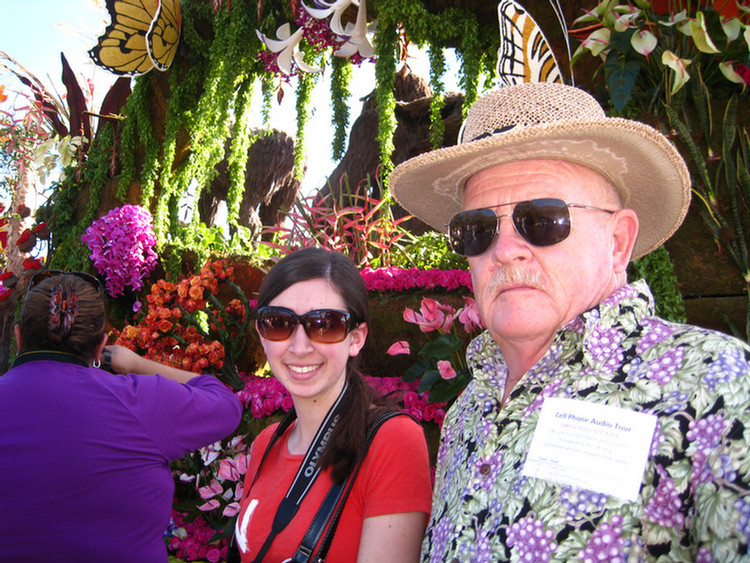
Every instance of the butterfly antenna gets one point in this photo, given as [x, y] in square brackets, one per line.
[557, 8]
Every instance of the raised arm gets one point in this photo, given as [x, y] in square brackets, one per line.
[124, 360]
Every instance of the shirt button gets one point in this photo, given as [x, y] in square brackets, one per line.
[485, 469]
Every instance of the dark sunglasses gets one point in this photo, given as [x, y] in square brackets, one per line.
[39, 277]
[540, 222]
[326, 326]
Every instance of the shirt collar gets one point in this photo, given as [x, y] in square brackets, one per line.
[49, 355]
[625, 309]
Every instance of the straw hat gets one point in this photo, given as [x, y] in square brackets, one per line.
[543, 120]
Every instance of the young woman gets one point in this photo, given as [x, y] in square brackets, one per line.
[313, 322]
[84, 453]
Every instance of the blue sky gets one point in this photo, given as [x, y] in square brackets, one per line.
[35, 32]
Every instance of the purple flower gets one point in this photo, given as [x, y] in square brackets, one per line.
[122, 247]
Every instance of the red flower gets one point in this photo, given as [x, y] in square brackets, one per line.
[32, 264]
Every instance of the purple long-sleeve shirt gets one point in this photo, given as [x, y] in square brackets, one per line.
[84, 459]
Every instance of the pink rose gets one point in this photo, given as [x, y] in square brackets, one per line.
[399, 347]
[469, 316]
[446, 369]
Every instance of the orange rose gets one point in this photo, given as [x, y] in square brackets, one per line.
[182, 288]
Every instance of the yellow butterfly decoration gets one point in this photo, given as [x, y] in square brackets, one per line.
[524, 54]
[143, 34]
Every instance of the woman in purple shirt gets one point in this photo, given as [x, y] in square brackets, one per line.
[84, 453]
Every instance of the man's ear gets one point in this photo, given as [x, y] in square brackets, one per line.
[624, 234]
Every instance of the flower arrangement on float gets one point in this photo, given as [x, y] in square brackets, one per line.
[654, 45]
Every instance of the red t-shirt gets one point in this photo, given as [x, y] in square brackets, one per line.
[394, 478]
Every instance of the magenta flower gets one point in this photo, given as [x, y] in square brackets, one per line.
[432, 316]
[122, 247]
[399, 279]
[469, 316]
[446, 369]
[399, 347]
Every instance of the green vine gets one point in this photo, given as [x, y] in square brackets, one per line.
[471, 55]
[385, 75]
[341, 76]
[237, 159]
[305, 84]
[437, 69]
[267, 88]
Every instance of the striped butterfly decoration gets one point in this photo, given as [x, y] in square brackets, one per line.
[524, 54]
[143, 34]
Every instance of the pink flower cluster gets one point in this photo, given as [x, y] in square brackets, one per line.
[122, 247]
[400, 279]
[414, 403]
[266, 396]
[317, 31]
[190, 540]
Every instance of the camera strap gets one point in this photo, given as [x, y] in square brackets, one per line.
[306, 474]
[332, 506]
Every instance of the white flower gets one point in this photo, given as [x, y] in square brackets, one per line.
[681, 75]
[287, 48]
[727, 69]
[643, 42]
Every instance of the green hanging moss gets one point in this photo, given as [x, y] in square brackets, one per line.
[471, 55]
[267, 88]
[69, 252]
[237, 159]
[64, 249]
[97, 171]
[305, 85]
[341, 76]
[385, 73]
[138, 130]
[453, 26]
[229, 73]
[437, 69]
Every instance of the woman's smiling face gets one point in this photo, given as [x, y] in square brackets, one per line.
[311, 371]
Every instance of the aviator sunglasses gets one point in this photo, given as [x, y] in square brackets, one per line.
[540, 222]
[326, 326]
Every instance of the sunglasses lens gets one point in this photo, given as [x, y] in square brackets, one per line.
[275, 325]
[471, 232]
[326, 327]
[542, 222]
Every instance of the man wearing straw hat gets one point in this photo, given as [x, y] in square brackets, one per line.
[592, 430]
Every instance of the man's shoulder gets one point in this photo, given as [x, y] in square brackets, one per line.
[661, 331]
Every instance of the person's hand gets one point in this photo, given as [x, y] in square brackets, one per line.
[124, 360]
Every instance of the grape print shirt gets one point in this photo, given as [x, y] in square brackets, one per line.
[694, 500]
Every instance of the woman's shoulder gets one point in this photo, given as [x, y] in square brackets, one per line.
[401, 430]
[399, 421]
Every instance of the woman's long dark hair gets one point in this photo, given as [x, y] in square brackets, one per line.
[346, 446]
[82, 337]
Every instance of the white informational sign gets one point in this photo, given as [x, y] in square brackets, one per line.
[596, 447]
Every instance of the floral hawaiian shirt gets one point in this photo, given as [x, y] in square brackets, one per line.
[694, 499]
